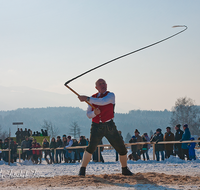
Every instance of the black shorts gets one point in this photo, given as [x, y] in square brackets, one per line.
[109, 130]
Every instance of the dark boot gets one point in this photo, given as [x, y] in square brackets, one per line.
[47, 160]
[66, 160]
[126, 171]
[82, 171]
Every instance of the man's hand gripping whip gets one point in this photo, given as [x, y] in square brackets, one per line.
[66, 84]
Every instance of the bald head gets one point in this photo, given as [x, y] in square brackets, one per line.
[101, 85]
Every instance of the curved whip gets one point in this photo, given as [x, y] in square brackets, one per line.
[129, 53]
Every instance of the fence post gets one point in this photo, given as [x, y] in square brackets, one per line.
[154, 151]
[99, 149]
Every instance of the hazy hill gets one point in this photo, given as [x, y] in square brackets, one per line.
[62, 117]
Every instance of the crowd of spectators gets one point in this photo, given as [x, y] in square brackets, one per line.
[162, 151]
[56, 150]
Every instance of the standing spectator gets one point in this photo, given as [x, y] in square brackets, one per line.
[68, 152]
[169, 136]
[36, 153]
[53, 147]
[199, 142]
[22, 135]
[29, 132]
[42, 132]
[146, 147]
[26, 133]
[1, 147]
[46, 133]
[75, 152]
[159, 148]
[26, 154]
[134, 148]
[82, 142]
[139, 146]
[45, 144]
[17, 136]
[178, 137]
[5, 153]
[64, 140]
[191, 147]
[186, 137]
[13, 148]
[59, 144]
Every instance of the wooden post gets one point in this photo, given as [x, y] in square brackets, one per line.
[99, 149]
[154, 151]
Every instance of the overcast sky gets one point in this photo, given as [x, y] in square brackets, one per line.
[44, 43]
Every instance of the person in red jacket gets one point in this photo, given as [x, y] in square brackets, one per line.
[36, 153]
[103, 125]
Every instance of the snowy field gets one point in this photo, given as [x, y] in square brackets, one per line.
[171, 166]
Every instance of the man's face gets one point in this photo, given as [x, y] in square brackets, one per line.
[176, 128]
[136, 134]
[184, 128]
[101, 86]
[168, 130]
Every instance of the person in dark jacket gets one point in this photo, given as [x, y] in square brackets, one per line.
[26, 154]
[145, 147]
[169, 136]
[134, 148]
[53, 147]
[178, 137]
[18, 136]
[13, 148]
[199, 142]
[82, 142]
[45, 144]
[5, 153]
[59, 144]
[186, 137]
[159, 148]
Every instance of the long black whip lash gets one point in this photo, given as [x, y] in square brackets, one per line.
[122, 57]
[129, 53]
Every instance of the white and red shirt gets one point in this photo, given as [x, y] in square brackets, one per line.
[105, 102]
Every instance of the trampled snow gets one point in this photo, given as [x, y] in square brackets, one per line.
[173, 165]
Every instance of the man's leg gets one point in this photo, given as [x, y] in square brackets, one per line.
[162, 155]
[117, 142]
[96, 134]
[157, 156]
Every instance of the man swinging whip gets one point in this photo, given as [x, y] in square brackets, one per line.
[103, 125]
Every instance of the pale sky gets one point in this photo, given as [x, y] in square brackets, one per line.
[44, 43]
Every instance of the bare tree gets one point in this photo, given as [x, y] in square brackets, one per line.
[75, 130]
[52, 130]
[185, 111]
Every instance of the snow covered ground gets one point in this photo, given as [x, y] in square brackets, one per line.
[173, 165]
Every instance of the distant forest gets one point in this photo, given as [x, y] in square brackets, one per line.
[63, 117]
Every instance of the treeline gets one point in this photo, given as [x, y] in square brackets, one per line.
[63, 118]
